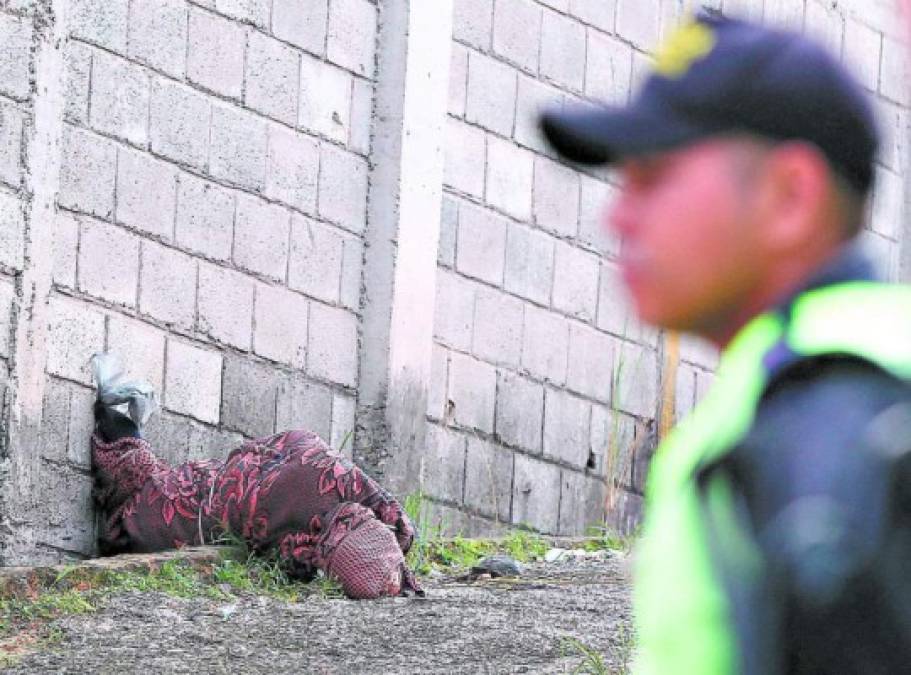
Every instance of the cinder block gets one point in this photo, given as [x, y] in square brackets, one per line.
[77, 68]
[255, 12]
[80, 426]
[609, 69]
[498, 327]
[293, 168]
[332, 348]
[352, 268]
[466, 150]
[140, 349]
[684, 392]
[591, 360]
[529, 263]
[215, 59]
[343, 188]
[699, 352]
[517, 32]
[108, 263]
[439, 377]
[120, 98]
[612, 444]
[158, 35]
[560, 5]
[238, 144]
[481, 249]
[15, 56]
[449, 226]
[576, 282]
[169, 435]
[261, 232]
[862, 52]
[458, 80]
[567, 430]
[54, 418]
[351, 39]
[556, 197]
[317, 253]
[520, 412]
[101, 22]
[146, 193]
[786, 13]
[248, 399]
[533, 97]
[303, 24]
[443, 465]
[204, 442]
[66, 526]
[205, 217]
[304, 405]
[595, 198]
[12, 231]
[704, 382]
[472, 22]
[65, 249]
[595, 13]
[826, 25]
[893, 122]
[87, 168]
[280, 326]
[75, 332]
[491, 94]
[582, 502]
[643, 66]
[179, 123]
[342, 435]
[510, 175]
[271, 77]
[616, 314]
[894, 72]
[636, 380]
[167, 285]
[325, 99]
[193, 381]
[225, 306]
[453, 323]
[361, 116]
[488, 479]
[888, 203]
[563, 51]
[545, 345]
[7, 295]
[472, 392]
[536, 494]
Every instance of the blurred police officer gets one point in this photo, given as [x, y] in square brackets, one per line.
[777, 534]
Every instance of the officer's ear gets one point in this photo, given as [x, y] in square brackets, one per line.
[797, 194]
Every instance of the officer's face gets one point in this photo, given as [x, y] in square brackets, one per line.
[688, 252]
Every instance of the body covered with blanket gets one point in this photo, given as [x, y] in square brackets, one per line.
[288, 494]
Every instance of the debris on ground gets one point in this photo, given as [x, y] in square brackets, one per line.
[498, 565]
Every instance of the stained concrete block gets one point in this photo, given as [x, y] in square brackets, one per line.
[140, 348]
[255, 12]
[624, 513]
[146, 193]
[458, 80]
[510, 176]
[293, 168]
[517, 32]
[453, 323]
[11, 146]
[532, 98]
[271, 77]
[167, 285]
[556, 197]
[87, 173]
[77, 68]
[206, 442]
[481, 247]
[472, 391]
[238, 147]
[101, 22]
[466, 152]
[638, 21]
[608, 69]
[591, 360]
[343, 422]
[563, 51]
[120, 98]
[472, 22]
[75, 332]
[193, 381]
[343, 188]
[332, 346]
[862, 53]
[361, 116]
[158, 35]
[488, 479]
[248, 399]
[215, 58]
[169, 436]
[280, 325]
[636, 388]
[684, 391]
[352, 267]
[205, 217]
[491, 99]
[109, 262]
[894, 71]
[7, 295]
[225, 305]
[498, 327]
[325, 99]
[443, 464]
[179, 123]
[567, 420]
[449, 225]
[439, 376]
[15, 56]
[545, 345]
[67, 525]
[304, 405]
[65, 249]
[520, 412]
[529, 270]
[616, 314]
[303, 24]
[582, 502]
[317, 255]
[12, 230]
[351, 35]
[261, 232]
[536, 494]
[576, 277]
[595, 13]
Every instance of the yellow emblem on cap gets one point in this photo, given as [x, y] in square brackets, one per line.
[689, 43]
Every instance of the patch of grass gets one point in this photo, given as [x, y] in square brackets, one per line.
[602, 538]
[592, 662]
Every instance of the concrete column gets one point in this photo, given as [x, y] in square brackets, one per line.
[403, 231]
[29, 345]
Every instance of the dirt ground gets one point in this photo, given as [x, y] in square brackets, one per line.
[565, 616]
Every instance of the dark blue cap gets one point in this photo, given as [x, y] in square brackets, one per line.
[719, 76]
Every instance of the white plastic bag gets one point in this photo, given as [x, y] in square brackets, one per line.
[113, 390]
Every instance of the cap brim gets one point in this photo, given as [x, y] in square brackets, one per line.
[607, 135]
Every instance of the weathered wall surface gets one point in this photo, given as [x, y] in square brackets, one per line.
[232, 194]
